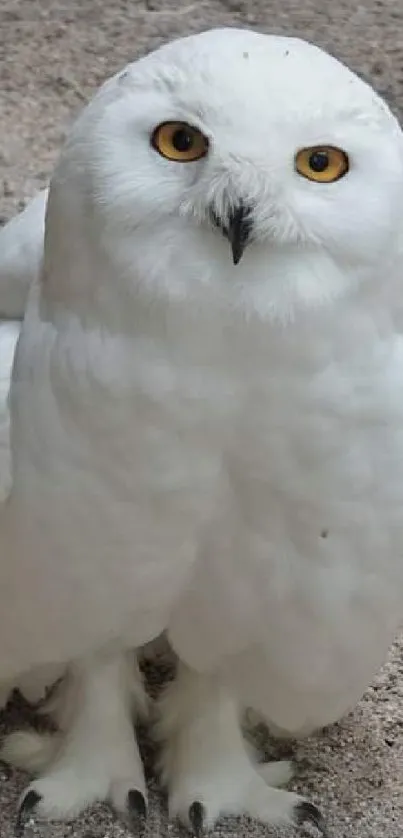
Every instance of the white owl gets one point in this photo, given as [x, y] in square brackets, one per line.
[207, 421]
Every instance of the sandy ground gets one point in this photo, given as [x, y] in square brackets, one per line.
[53, 54]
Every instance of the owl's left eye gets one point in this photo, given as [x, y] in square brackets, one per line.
[179, 142]
[323, 164]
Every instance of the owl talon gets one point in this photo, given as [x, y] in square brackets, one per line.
[306, 812]
[27, 807]
[196, 818]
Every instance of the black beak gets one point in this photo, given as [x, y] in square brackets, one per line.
[237, 229]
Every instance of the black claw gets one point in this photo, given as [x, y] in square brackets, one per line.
[196, 817]
[136, 810]
[28, 805]
[308, 812]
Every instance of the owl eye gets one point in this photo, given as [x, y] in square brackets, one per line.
[180, 142]
[323, 164]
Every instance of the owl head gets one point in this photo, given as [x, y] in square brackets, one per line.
[253, 169]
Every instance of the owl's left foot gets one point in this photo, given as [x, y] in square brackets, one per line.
[206, 766]
[93, 758]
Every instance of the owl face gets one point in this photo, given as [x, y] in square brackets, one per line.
[257, 159]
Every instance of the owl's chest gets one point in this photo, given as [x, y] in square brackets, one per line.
[297, 418]
[256, 418]
[302, 556]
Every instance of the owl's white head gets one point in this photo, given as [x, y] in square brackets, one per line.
[254, 168]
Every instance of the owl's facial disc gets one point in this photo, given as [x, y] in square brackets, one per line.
[236, 228]
[180, 142]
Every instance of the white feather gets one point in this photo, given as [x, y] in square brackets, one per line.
[9, 332]
[21, 249]
[209, 449]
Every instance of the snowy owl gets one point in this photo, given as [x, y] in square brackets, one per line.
[207, 421]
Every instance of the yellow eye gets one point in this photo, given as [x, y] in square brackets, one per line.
[180, 142]
[323, 164]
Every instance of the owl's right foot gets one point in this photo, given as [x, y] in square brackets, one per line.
[95, 756]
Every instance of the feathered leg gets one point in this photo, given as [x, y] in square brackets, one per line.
[94, 756]
[205, 762]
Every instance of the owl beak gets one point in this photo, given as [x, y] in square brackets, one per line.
[239, 228]
[236, 229]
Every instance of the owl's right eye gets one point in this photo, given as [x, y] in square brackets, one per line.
[179, 142]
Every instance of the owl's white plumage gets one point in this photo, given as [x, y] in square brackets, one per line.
[207, 449]
[21, 255]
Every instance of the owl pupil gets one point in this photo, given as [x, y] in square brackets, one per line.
[182, 140]
[319, 161]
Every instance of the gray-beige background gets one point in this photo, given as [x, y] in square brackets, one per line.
[53, 54]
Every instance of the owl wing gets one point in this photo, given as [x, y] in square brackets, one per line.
[9, 331]
[33, 685]
[21, 251]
